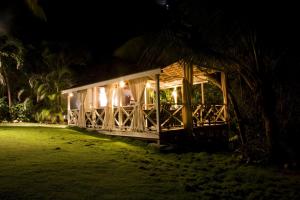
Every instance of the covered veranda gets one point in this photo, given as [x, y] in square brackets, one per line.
[129, 105]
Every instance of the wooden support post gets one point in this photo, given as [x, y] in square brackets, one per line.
[95, 102]
[120, 94]
[225, 94]
[158, 128]
[146, 105]
[69, 108]
[81, 116]
[187, 84]
[202, 102]
[202, 93]
[95, 97]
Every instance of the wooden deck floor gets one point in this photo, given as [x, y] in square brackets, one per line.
[153, 136]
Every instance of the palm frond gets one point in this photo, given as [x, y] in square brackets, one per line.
[20, 94]
[26, 102]
[36, 9]
[2, 80]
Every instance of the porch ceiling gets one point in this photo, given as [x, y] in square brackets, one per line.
[172, 75]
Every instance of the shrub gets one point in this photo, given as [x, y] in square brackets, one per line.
[21, 111]
[46, 115]
[4, 110]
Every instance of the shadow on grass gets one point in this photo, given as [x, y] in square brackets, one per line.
[96, 134]
[177, 148]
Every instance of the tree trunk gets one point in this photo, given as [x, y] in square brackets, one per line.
[9, 95]
[59, 103]
[240, 121]
[8, 91]
[268, 103]
[236, 110]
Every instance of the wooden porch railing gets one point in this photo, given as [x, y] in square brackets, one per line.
[73, 117]
[208, 114]
[171, 116]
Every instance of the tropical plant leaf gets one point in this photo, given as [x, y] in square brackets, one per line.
[52, 97]
[36, 9]
[20, 94]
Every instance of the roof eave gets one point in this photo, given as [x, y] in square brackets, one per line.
[148, 73]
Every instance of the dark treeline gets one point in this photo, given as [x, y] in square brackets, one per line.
[256, 45]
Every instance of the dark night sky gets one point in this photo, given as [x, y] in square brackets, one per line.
[99, 26]
[102, 26]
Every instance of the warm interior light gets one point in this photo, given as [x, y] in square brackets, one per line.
[122, 84]
[71, 94]
[148, 85]
[174, 94]
[102, 97]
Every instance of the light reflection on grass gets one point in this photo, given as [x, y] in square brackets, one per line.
[28, 124]
[64, 163]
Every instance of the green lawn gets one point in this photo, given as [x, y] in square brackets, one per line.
[61, 163]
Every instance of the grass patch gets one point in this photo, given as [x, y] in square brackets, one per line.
[62, 163]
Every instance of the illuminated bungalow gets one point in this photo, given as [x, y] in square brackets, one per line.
[128, 105]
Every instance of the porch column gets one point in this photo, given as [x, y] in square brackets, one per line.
[81, 117]
[95, 105]
[146, 104]
[202, 102]
[202, 93]
[69, 107]
[95, 97]
[158, 128]
[120, 105]
[225, 95]
[187, 84]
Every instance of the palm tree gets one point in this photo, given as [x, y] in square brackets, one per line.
[36, 9]
[47, 86]
[11, 53]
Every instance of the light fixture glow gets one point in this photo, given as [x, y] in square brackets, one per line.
[148, 85]
[122, 84]
[71, 94]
